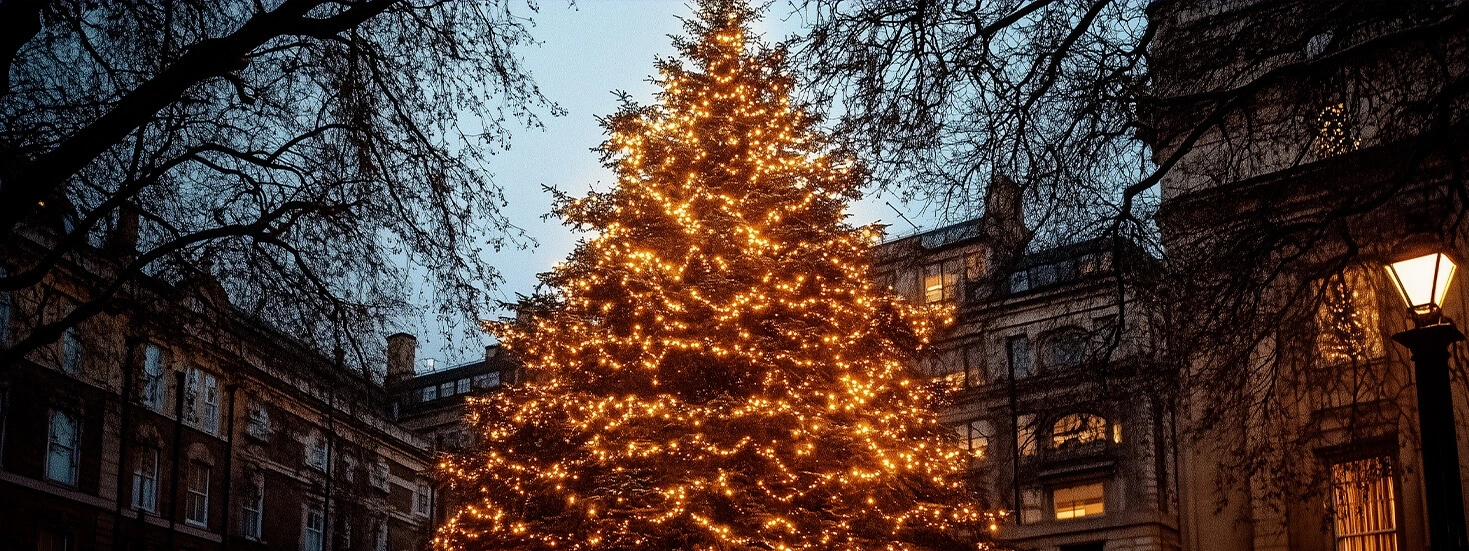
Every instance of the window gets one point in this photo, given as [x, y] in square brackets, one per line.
[487, 380]
[378, 477]
[941, 281]
[1364, 505]
[1021, 364]
[446, 389]
[944, 364]
[145, 480]
[152, 392]
[1030, 506]
[196, 503]
[1066, 348]
[1025, 440]
[348, 469]
[1087, 500]
[974, 365]
[430, 393]
[313, 530]
[380, 535]
[253, 517]
[462, 386]
[316, 451]
[61, 449]
[54, 538]
[976, 436]
[201, 400]
[1347, 320]
[907, 284]
[422, 499]
[1019, 281]
[258, 424]
[1078, 428]
[71, 351]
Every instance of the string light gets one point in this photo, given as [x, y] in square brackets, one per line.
[717, 371]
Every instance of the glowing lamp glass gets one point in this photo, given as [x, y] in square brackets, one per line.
[1423, 282]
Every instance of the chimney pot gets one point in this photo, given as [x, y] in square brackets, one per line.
[402, 348]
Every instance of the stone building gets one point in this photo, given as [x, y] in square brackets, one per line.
[173, 421]
[1045, 377]
[1311, 143]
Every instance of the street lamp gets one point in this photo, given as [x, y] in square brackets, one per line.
[1422, 282]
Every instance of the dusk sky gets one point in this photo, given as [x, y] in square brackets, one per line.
[588, 51]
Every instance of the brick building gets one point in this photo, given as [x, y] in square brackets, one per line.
[173, 421]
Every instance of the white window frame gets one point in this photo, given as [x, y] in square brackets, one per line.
[70, 450]
[381, 475]
[254, 529]
[154, 367]
[196, 499]
[313, 538]
[257, 423]
[145, 479]
[201, 400]
[316, 451]
[461, 386]
[72, 351]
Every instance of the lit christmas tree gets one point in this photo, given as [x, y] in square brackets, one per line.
[714, 369]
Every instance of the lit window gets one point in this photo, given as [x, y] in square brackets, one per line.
[487, 380]
[71, 351]
[1364, 505]
[976, 436]
[1078, 428]
[61, 450]
[253, 517]
[258, 423]
[1021, 364]
[316, 451]
[196, 503]
[152, 392]
[430, 393]
[941, 281]
[1087, 500]
[422, 499]
[313, 530]
[1348, 321]
[145, 480]
[1025, 440]
[462, 386]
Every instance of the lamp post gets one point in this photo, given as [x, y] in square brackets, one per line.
[1422, 281]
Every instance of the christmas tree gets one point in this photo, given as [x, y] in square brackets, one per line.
[714, 369]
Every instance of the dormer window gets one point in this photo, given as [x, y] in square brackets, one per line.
[941, 281]
[1077, 429]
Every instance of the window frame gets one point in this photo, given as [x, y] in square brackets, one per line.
[317, 451]
[145, 483]
[310, 511]
[73, 352]
[253, 531]
[423, 499]
[151, 393]
[201, 400]
[1389, 481]
[1100, 501]
[257, 422]
[73, 449]
[1012, 356]
[199, 472]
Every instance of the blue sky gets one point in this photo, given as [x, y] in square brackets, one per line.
[587, 51]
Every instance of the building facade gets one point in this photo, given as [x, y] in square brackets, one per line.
[172, 421]
[1309, 145]
[1045, 364]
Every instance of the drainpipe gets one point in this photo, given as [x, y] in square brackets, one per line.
[178, 437]
[124, 427]
[229, 462]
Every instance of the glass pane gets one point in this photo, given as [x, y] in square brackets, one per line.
[1079, 501]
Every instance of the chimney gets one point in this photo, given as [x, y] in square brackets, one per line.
[401, 349]
[122, 241]
[490, 352]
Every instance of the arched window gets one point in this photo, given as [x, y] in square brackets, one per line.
[1078, 428]
[1066, 347]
